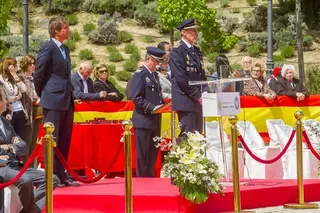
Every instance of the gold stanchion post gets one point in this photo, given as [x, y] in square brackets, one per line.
[49, 128]
[301, 205]
[127, 125]
[235, 166]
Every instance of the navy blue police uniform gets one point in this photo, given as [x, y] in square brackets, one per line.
[145, 91]
[186, 64]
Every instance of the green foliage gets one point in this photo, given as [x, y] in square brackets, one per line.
[224, 3]
[251, 2]
[87, 28]
[313, 79]
[253, 51]
[130, 65]
[242, 45]
[236, 66]
[86, 54]
[235, 10]
[176, 35]
[277, 58]
[75, 36]
[287, 51]
[148, 39]
[4, 17]
[115, 56]
[125, 36]
[307, 42]
[258, 39]
[285, 37]
[125, 7]
[92, 6]
[73, 19]
[3, 49]
[112, 69]
[111, 48]
[15, 51]
[95, 62]
[135, 55]
[103, 19]
[70, 44]
[229, 43]
[106, 34]
[130, 48]
[212, 57]
[123, 76]
[257, 20]
[230, 25]
[65, 6]
[147, 15]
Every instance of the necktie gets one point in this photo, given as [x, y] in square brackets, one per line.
[63, 51]
[155, 77]
[192, 49]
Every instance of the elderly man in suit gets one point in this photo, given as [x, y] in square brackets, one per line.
[12, 147]
[53, 84]
[145, 91]
[83, 84]
[186, 65]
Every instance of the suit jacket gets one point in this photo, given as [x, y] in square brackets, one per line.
[19, 148]
[166, 86]
[108, 87]
[78, 88]
[52, 77]
[283, 87]
[186, 66]
[251, 88]
[145, 91]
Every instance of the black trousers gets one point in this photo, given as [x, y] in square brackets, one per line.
[63, 123]
[146, 151]
[18, 121]
[190, 121]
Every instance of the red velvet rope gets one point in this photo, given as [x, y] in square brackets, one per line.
[245, 146]
[95, 179]
[24, 168]
[314, 152]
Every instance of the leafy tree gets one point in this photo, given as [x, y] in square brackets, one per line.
[4, 16]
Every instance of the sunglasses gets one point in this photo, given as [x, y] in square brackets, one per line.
[32, 63]
[103, 71]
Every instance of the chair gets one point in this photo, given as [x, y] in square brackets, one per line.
[12, 202]
[253, 168]
[310, 126]
[214, 151]
[272, 131]
[289, 160]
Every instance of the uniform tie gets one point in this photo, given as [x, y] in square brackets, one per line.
[63, 51]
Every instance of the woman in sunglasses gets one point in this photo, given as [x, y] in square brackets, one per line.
[101, 74]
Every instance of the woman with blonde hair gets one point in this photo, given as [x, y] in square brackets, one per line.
[258, 86]
[30, 102]
[13, 88]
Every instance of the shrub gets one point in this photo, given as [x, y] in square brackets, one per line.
[242, 45]
[229, 43]
[95, 62]
[36, 41]
[253, 50]
[115, 56]
[73, 19]
[125, 36]
[112, 69]
[251, 2]
[313, 79]
[113, 80]
[236, 66]
[130, 48]
[106, 34]
[111, 48]
[130, 65]
[235, 10]
[65, 6]
[70, 44]
[87, 28]
[123, 76]
[148, 39]
[135, 55]
[307, 42]
[257, 20]
[92, 6]
[224, 3]
[15, 51]
[176, 35]
[287, 51]
[86, 54]
[230, 25]
[285, 37]
[147, 15]
[259, 39]
[75, 35]
[103, 19]
[277, 58]
[212, 57]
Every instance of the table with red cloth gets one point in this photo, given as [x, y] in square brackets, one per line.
[93, 146]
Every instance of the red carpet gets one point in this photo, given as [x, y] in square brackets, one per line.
[158, 195]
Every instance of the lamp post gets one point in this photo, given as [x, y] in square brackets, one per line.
[270, 41]
[25, 27]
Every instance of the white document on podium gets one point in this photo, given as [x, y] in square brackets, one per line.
[220, 104]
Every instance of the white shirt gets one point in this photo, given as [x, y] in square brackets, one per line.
[187, 43]
[85, 84]
[58, 43]
[2, 128]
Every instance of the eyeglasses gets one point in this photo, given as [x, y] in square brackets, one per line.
[32, 63]
[256, 70]
[247, 62]
[103, 71]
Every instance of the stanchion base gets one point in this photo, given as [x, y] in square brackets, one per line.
[301, 206]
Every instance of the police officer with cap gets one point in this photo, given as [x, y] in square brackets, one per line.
[145, 91]
[186, 64]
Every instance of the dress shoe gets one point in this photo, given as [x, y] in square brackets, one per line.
[61, 185]
[70, 183]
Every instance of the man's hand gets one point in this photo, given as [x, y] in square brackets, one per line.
[9, 117]
[268, 97]
[102, 94]
[77, 101]
[15, 140]
[236, 73]
[38, 101]
[113, 93]
[300, 96]
[5, 146]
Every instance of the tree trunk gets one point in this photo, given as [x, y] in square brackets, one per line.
[171, 37]
[299, 44]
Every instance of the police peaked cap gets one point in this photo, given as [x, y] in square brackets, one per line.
[188, 24]
[156, 53]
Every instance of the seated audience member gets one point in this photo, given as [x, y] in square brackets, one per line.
[164, 78]
[289, 85]
[245, 72]
[12, 147]
[13, 88]
[83, 84]
[102, 84]
[28, 100]
[223, 70]
[258, 86]
[273, 79]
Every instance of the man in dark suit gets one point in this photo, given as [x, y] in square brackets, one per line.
[53, 84]
[145, 91]
[186, 65]
[12, 147]
[83, 84]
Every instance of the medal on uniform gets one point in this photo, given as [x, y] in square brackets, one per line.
[147, 79]
[188, 60]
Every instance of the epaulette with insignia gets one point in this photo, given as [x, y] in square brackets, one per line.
[177, 45]
[139, 70]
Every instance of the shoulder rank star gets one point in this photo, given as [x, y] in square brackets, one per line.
[147, 79]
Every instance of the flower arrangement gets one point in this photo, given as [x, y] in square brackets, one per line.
[191, 170]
